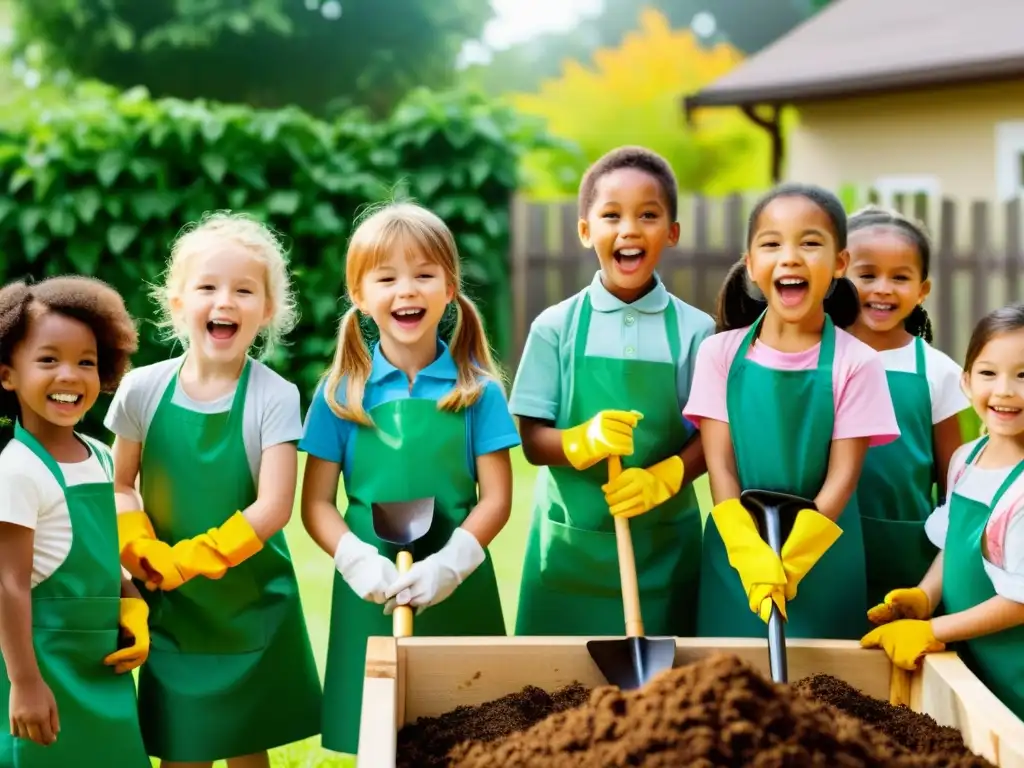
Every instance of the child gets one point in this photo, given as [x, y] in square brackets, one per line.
[62, 593]
[979, 572]
[889, 261]
[408, 419]
[594, 365]
[211, 435]
[787, 402]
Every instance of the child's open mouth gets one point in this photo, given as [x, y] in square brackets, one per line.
[629, 259]
[221, 329]
[791, 290]
[880, 311]
[408, 317]
[65, 401]
[1004, 412]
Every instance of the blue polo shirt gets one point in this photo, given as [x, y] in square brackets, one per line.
[489, 425]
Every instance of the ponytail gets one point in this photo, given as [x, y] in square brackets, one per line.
[740, 301]
[472, 355]
[353, 364]
[917, 323]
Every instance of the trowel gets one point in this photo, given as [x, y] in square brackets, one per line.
[767, 508]
[402, 523]
[632, 662]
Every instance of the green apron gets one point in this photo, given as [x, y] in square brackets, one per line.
[781, 423]
[895, 489]
[996, 659]
[225, 653]
[415, 451]
[570, 580]
[75, 625]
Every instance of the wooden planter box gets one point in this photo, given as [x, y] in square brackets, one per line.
[417, 677]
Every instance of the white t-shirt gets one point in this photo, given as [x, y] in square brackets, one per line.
[30, 496]
[272, 412]
[942, 372]
[1004, 532]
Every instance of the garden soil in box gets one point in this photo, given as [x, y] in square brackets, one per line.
[716, 712]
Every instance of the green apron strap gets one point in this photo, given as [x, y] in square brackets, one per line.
[22, 435]
[919, 359]
[101, 455]
[1010, 480]
[978, 448]
[675, 346]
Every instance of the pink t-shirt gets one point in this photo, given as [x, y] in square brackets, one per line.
[861, 391]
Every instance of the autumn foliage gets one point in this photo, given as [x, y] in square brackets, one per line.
[633, 95]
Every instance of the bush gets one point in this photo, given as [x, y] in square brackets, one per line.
[101, 184]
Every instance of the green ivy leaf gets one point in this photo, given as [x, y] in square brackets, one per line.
[109, 167]
[120, 236]
[153, 204]
[61, 221]
[84, 255]
[87, 203]
[214, 165]
[284, 202]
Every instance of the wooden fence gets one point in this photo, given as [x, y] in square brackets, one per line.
[976, 258]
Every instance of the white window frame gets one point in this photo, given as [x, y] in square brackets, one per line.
[1009, 149]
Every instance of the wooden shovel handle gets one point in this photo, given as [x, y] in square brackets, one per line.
[402, 616]
[627, 564]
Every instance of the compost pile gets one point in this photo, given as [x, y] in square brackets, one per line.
[716, 712]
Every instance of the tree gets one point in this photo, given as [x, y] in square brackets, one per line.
[632, 96]
[267, 53]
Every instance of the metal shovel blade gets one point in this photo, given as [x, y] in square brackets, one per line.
[768, 506]
[402, 522]
[631, 662]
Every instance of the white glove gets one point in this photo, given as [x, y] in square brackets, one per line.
[434, 578]
[364, 569]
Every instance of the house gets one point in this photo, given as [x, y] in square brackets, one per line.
[905, 96]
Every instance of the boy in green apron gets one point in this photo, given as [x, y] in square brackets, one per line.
[64, 687]
[605, 373]
[788, 401]
[889, 262]
[979, 571]
[211, 436]
[408, 418]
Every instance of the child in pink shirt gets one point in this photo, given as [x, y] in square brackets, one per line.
[788, 401]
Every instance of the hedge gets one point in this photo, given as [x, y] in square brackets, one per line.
[102, 183]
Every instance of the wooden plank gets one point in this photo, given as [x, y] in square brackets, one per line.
[1011, 264]
[954, 696]
[944, 255]
[382, 714]
[519, 249]
[980, 245]
[538, 261]
[573, 255]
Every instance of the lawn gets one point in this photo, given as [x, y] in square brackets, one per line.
[316, 573]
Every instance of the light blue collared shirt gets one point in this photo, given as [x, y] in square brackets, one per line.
[490, 426]
[618, 330]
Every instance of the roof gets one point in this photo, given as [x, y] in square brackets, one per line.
[866, 46]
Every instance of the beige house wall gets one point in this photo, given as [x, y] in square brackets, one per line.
[947, 136]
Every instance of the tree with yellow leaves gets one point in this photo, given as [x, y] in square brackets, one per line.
[632, 95]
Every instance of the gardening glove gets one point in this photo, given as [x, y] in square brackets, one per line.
[133, 621]
[638, 490]
[434, 578]
[210, 554]
[760, 569]
[143, 555]
[609, 433]
[904, 641]
[812, 535]
[367, 572]
[912, 603]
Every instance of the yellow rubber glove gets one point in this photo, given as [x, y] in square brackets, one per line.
[904, 641]
[760, 569]
[812, 535]
[134, 625]
[637, 490]
[911, 603]
[210, 554]
[609, 433]
[142, 553]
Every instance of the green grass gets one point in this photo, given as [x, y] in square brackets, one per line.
[315, 571]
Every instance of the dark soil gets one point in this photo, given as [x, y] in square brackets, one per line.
[716, 712]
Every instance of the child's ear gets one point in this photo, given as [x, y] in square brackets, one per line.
[7, 378]
[583, 229]
[965, 384]
[842, 262]
[673, 234]
[926, 288]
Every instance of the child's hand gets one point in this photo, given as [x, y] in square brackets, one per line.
[364, 569]
[910, 603]
[609, 433]
[434, 578]
[637, 490]
[135, 627]
[34, 712]
[904, 641]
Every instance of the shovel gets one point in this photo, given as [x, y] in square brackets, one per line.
[401, 523]
[630, 663]
[770, 505]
